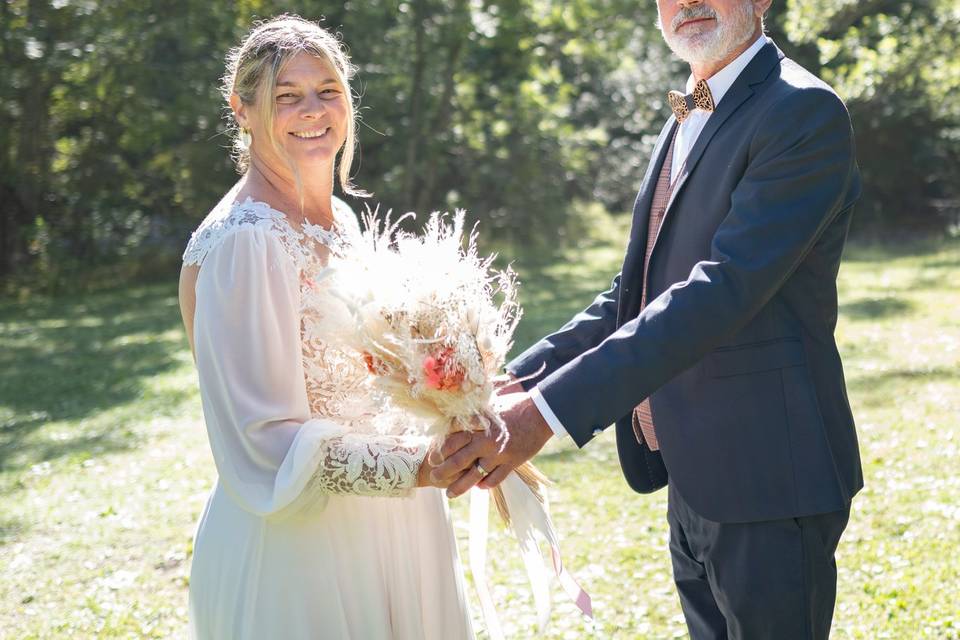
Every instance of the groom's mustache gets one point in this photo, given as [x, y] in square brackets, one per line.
[692, 13]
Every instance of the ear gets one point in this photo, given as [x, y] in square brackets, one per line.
[760, 7]
[239, 110]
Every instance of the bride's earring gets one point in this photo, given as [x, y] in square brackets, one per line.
[245, 138]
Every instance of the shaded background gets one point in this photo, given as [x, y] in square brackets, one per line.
[523, 111]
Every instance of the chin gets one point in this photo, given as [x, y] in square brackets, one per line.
[694, 50]
[312, 157]
[707, 46]
[717, 42]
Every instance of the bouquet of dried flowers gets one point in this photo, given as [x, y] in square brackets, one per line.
[434, 322]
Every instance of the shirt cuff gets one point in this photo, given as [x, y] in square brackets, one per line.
[548, 415]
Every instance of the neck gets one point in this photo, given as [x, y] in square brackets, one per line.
[280, 192]
[706, 70]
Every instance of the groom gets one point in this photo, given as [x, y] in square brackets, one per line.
[713, 351]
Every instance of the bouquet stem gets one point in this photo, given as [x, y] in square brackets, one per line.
[532, 477]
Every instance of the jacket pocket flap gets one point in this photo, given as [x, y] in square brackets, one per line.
[756, 357]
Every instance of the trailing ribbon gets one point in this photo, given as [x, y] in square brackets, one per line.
[479, 510]
[528, 517]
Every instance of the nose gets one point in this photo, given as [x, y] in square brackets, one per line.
[312, 107]
[688, 3]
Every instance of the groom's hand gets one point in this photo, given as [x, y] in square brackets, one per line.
[507, 383]
[497, 453]
[527, 432]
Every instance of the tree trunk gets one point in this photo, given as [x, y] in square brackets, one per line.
[8, 208]
[31, 157]
[440, 122]
[416, 103]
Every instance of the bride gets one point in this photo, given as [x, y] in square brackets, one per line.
[321, 523]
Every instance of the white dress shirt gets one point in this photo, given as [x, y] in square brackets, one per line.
[687, 134]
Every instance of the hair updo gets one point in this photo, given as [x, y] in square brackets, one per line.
[254, 66]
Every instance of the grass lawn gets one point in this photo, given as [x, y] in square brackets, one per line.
[104, 464]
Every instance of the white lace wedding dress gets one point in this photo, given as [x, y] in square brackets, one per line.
[314, 528]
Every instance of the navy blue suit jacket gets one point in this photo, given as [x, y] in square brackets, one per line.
[736, 347]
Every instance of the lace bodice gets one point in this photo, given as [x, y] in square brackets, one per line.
[262, 279]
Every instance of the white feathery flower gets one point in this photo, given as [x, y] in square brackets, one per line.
[431, 317]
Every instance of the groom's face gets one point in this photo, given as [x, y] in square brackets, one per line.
[703, 30]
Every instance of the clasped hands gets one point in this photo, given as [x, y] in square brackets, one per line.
[485, 459]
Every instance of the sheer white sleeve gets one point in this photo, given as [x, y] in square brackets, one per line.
[269, 452]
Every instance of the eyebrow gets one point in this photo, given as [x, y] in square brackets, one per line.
[287, 83]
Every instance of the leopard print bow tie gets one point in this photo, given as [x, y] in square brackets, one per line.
[682, 105]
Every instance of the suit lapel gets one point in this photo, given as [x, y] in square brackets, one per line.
[735, 97]
[641, 214]
[742, 89]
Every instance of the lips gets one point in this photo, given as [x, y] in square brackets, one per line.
[312, 134]
[687, 23]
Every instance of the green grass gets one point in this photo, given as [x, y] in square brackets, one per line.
[104, 464]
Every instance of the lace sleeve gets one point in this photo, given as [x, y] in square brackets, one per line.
[367, 464]
[270, 452]
[224, 221]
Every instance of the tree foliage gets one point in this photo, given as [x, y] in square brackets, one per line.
[111, 131]
[896, 65]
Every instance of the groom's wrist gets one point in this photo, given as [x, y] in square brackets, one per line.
[547, 413]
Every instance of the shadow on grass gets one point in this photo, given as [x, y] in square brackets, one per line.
[10, 528]
[885, 251]
[72, 357]
[876, 308]
[941, 264]
[888, 387]
[934, 282]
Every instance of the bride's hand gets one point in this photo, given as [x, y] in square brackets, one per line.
[438, 452]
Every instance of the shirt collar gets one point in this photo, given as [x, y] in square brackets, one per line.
[722, 80]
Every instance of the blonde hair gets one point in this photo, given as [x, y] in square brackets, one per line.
[252, 71]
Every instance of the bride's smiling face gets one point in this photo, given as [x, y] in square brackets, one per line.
[309, 124]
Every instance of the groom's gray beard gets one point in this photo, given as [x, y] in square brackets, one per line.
[722, 36]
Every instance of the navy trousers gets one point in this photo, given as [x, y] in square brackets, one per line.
[756, 580]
